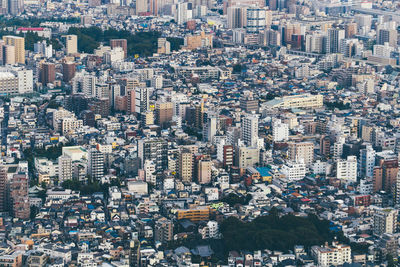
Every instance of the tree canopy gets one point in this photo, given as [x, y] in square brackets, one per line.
[141, 43]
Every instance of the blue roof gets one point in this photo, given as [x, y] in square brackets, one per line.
[264, 171]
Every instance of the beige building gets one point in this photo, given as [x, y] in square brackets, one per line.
[296, 101]
[385, 221]
[70, 124]
[19, 44]
[9, 55]
[204, 171]
[164, 47]
[337, 254]
[247, 157]
[199, 41]
[71, 44]
[186, 165]
[303, 151]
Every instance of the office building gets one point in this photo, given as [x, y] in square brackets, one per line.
[19, 47]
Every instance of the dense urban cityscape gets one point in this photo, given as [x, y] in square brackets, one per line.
[232, 133]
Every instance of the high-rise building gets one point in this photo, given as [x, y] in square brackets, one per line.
[150, 172]
[204, 171]
[19, 199]
[335, 37]
[350, 30]
[210, 127]
[141, 7]
[47, 73]
[386, 34]
[385, 221]
[163, 46]
[325, 146]
[367, 161]
[155, 150]
[3, 188]
[280, 131]
[247, 157]
[185, 167]
[19, 47]
[237, 17]
[385, 174]
[182, 13]
[69, 69]
[164, 112]
[256, 20]
[64, 168]
[228, 155]
[250, 130]
[71, 44]
[347, 169]
[95, 164]
[301, 152]
[123, 43]
[142, 100]
[134, 253]
[163, 230]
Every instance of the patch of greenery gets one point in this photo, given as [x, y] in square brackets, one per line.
[276, 233]
[232, 199]
[337, 104]
[141, 43]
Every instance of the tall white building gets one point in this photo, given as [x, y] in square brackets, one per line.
[294, 171]
[183, 14]
[142, 100]
[347, 169]
[367, 161]
[255, 19]
[150, 172]
[280, 131]
[210, 128]
[64, 168]
[335, 36]
[249, 130]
